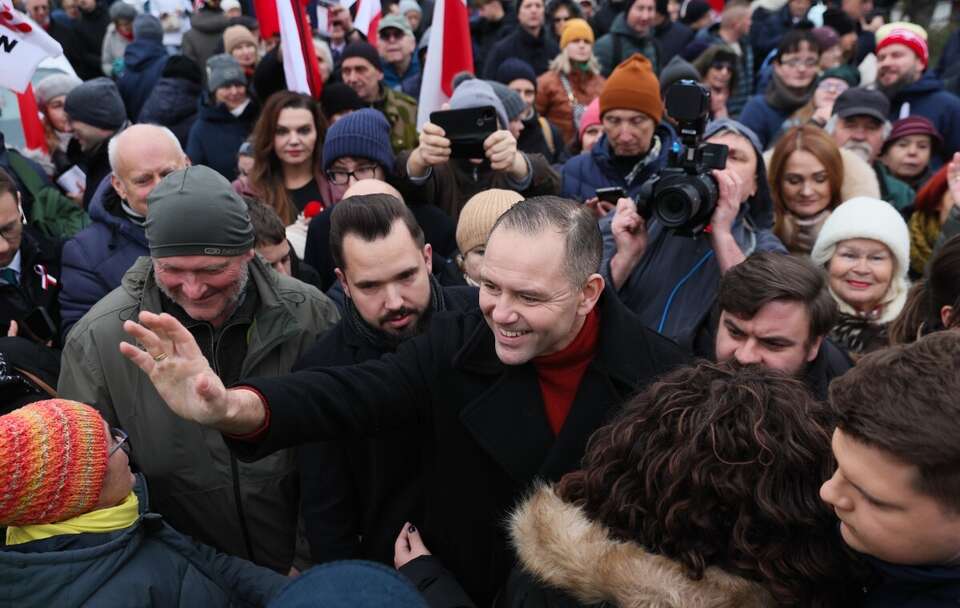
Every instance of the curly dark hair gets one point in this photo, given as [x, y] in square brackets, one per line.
[721, 465]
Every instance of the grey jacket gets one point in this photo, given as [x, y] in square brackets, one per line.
[194, 480]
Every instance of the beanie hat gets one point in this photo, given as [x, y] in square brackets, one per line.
[761, 203]
[53, 460]
[676, 70]
[839, 21]
[913, 125]
[480, 214]
[515, 69]
[121, 11]
[98, 103]
[591, 116]
[364, 133]
[633, 86]
[179, 66]
[512, 103]
[235, 35]
[475, 93]
[338, 97]
[410, 5]
[576, 29]
[195, 211]
[692, 10]
[147, 27]
[826, 36]
[846, 72]
[909, 37]
[349, 584]
[364, 50]
[55, 85]
[865, 217]
[223, 70]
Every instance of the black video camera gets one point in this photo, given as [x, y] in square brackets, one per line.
[684, 194]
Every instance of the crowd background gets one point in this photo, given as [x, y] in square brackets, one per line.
[554, 456]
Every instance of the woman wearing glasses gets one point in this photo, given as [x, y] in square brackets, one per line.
[791, 87]
[830, 84]
[79, 527]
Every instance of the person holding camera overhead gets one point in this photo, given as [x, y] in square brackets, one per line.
[670, 279]
[437, 176]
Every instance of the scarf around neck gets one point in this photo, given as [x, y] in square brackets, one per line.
[381, 340]
[784, 98]
[109, 519]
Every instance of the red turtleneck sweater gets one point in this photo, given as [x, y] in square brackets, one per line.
[560, 373]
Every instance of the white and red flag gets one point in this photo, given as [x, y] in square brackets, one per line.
[367, 18]
[449, 52]
[289, 19]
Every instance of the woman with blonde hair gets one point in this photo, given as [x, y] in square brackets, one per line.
[572, 81]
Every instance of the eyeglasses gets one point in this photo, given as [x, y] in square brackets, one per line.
[121, 438]
[796, 62]
[833, 87]
[342, 178]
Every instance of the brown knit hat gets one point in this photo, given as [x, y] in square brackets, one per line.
[633, 86]
[480, 214]
[235, 35]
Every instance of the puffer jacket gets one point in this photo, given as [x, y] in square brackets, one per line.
[553, 103]
[538, 52]
[216, 136]
[927, 98]
[584, 173]
[97, 257]
[205, 35]
[147, 565]
[245, 509]
[173, 103]
[622, 42]
[143, 63]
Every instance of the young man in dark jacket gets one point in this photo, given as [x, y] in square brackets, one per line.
[529, 41]
[510, 393]
[90, 29]
[895, 490]
[494, 21]
[96, 114]
[143, 60]
[358, 495]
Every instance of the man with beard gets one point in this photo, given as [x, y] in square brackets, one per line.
[246, 319]
[358, 494]
[775, 311]
[902, 75]
[859, 124]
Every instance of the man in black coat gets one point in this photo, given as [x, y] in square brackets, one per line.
[529, 42]
[510, 393]
[91, 27]
[357, 495]
[39, 11]
[96, 114]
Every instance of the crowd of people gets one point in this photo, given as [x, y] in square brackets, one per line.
[261, 348]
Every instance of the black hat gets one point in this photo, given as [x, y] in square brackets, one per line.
[180, 66]
[857, 101]
[839, 21]
[364, 50]
[339, 97]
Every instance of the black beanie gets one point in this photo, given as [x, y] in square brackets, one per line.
[339, 97]
[364, 50]
[839, 21]
[195, 211]
[98, 103]
[513, 69]
[179, 66]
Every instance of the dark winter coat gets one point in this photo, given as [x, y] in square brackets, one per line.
[205, 36]
[765, 120]
[584, 173]
[520, 44]
[605, 14]
[745, 84]
[90, 29]
[768, 28]
[147, 565]
[927, 98]
[216, 137]
[533, 140]
[66, 35]
[949, 64]
[913, 586]
[18, 301]
[623, 41]
[485, 34]
[673, 37]
[96, 258]
[173, 103]
[356, 495]
[94, 162]
[488, 435]
[143, 62]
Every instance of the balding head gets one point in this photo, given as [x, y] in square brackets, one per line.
[372, 186]
[140, 156]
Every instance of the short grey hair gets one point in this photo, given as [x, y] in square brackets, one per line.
[831, 126]
[583, 247]
[113, 145]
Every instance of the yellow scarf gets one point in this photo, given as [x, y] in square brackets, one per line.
[102, 520]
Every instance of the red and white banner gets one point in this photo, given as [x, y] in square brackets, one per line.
[23, 45]
[289, 19]
[367, 18]
[449, 52]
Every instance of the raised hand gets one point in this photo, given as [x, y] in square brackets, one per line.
[953, 178]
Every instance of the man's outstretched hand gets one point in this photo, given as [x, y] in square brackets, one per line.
[183, 378]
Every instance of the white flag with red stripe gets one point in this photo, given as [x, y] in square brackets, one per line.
[367, 17]
[300, 68]
[449, 52]
[23, 45]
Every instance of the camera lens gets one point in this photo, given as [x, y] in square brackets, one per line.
[676, 204]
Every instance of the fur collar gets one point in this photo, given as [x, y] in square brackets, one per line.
[560, 546]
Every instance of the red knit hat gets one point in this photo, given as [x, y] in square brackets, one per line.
[53, 459]
[909, 38]
[633, 86]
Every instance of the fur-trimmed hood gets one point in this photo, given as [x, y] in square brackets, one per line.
[560, 546]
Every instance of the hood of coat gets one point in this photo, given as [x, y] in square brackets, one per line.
[105, 208]
[209, 21]
[559, 545]
[141, 53]
[172, 100]
[928, 83]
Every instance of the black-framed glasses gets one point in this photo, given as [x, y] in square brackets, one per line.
[340, 177]
[121, 438]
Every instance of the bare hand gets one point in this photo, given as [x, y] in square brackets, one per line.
[340, 15]
[177, 368]
[598, 207]
[629, 230]
[434, 148]
[500, 148]
[953, 178]
[13, 329]
[409, 546]
[873, 25]
[728, 203]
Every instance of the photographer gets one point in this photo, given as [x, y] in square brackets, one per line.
[670, 280]
[439, 179]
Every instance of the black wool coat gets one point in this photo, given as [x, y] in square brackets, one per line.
[488, 438]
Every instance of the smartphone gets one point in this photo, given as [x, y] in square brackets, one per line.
[466, 129]
[38, 325]
[611, 195]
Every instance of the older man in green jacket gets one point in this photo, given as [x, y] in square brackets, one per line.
[247, 320]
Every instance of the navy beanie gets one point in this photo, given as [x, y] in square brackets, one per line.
[514, 68]
[365, 134]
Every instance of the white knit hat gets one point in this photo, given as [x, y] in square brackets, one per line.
[869, 218]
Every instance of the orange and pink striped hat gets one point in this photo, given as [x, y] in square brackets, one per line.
[53, 460]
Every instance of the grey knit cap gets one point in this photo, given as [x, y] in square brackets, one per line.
[223, 70]
[98, 103]
[473, 93]
[55, 85]
[512, 102]
[122, 10]
[195, 211]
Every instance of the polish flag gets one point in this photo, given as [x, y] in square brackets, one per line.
[289, 19]
[449, 52]
[367, 18]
